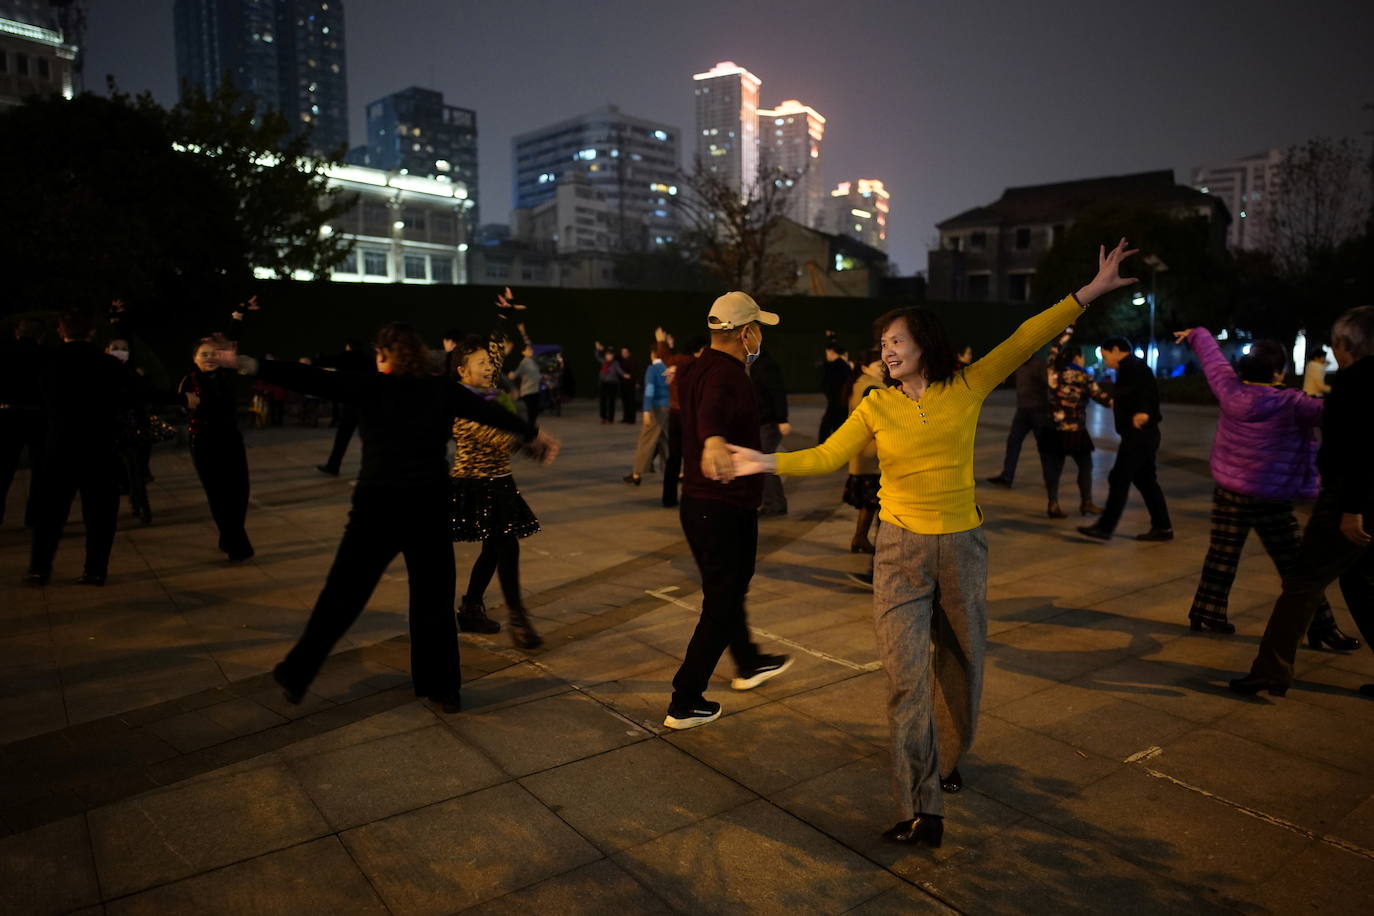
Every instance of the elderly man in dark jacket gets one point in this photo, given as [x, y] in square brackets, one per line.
[1032, 412]
[1135, 404]
[1336, 542]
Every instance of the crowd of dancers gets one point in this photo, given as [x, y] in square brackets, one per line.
[438, 435]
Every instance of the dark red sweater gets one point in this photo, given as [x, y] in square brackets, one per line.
[717, 399]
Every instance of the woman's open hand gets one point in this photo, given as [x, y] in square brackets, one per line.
[1108, 277]
[747, 461]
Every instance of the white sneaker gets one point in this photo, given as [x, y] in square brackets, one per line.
[769, 666]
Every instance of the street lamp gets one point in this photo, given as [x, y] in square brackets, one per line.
[1157, 266]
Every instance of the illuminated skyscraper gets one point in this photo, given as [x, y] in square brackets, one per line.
[287, 54]
[859, 209]
[790, 145]
[727, 98]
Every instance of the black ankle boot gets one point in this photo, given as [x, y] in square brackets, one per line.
[1053, 510]
[1333, 639]
[1215, 626]
[953, 782]
[522, 633]
[472, 618]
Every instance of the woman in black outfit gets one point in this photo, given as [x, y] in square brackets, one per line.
[217, 449]
[400, 505]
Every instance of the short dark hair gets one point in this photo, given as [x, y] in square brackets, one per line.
[453, 334]
[409, 355]
[939, 362]
[1265, 359]
[76, 324]
[697, 343]
[1117, 343]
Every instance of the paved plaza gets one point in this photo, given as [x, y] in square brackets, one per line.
[147, 765]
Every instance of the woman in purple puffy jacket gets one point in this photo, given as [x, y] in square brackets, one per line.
[1264, 457]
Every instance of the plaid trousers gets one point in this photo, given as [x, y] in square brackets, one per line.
[1233, 515]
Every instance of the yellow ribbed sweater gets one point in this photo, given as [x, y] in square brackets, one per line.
[925, 448]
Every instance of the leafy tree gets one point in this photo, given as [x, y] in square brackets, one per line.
[1193, 290]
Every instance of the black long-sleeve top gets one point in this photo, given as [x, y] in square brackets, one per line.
[1136, 392]
[218, 410]
[84, 394]
[718, 400]
[1346, 456]
[405, 421]
[769, 389]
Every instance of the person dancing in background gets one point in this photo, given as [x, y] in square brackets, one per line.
[931, 572]
[861, 486]
[217, 449]
[676, 363]
[834, 384]
[653, 438]
[1066, 435]
[487, 505]
[401, 504]
[1264, 456]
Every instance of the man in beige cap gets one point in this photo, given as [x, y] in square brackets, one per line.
[719, 512]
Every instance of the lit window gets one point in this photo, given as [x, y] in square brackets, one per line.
[374, 263]
[442, 165]
[660, 135]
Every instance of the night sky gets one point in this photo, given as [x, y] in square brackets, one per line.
[947, 103]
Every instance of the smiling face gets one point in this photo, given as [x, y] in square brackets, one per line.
[475, 369]
[205, 357]
[900, 353]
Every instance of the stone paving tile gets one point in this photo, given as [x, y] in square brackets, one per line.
[1025, 769]
[466, 851]
[1094, 721]
[1322, 879]
[512, 686]
[752, 859]
[570, 726]
[48, 870]
[190, 731]
[770, 747]
[315, 877]
[176, 833]
[366, 782]
[631, 795]
[901, 899]
[592, 890]
[857, 705]
[1306, 730]
[643, 698]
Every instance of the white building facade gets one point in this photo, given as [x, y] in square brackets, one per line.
[1249, 186]
[35, 59]
[859, 209]
[727, 105]
[790, 138]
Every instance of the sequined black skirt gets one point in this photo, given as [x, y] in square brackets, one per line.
[485, 507]
[861, 491]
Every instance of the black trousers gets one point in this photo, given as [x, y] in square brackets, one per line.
[836, 412]
[724, 539]
[531, 402]
[344, 427]
[1052, 465]
[774, 496]
[500, 556]
[134, 457]
[222, 465]
[1135, 467]
[383, 522]
[607, 394]
[1027, 421]
[95, 475]
[1326, 556]
[672, 469]
[627, 401]
[20, 429]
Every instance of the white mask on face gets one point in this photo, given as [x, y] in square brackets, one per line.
[751, 355]
[121, 355]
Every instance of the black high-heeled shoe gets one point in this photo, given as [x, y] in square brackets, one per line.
[1333, 639]
[924, 830]
[953, 782]
[1197, 626]
[1250, 685]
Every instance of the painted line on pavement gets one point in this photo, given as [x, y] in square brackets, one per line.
[662, 595]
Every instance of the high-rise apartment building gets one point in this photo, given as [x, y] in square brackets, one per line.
[790, 150]
[727, 105]
[413, 132]
[629, 162]
[39, 51]
[1249, 186]
[287, 54]
[858, 209]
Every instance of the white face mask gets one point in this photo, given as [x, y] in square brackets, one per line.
[751, 355]
[121, 355]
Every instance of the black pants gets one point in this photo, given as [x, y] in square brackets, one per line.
[134, 458]
[20, 429]
[531, 402]
[627, 401]
[724, 539]
[95, 475]
[1027, 421]
[500, 556]
[836, 412]
[1052, 465]
[346, 423]
[1135, 466]
[1326, 556]
[607, 394]
[774, 496]
[672, 469]
[382, 523]
[222, 465]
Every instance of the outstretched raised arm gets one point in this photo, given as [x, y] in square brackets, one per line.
[989, 372]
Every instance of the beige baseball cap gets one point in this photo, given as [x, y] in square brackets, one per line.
[735, 310]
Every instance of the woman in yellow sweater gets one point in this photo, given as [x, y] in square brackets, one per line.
[930, 572]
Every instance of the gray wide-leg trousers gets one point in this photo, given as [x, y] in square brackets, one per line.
[930, 616]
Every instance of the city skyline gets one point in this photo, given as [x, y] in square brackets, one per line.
[946, 105]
